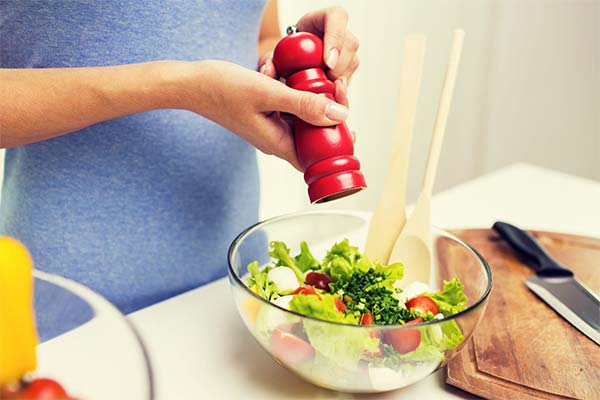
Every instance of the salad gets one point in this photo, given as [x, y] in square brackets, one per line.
[347, 288]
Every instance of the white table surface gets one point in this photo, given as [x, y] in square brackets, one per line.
[200, 348]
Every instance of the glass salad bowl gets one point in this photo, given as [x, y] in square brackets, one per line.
[339, 356]
[86, 344]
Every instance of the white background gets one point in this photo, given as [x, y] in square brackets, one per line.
[528, 90]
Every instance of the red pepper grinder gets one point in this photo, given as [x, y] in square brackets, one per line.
[326, 153]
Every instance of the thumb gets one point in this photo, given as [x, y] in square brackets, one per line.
[312, 108]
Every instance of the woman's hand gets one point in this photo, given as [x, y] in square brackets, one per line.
[339, 50]
[249, 104]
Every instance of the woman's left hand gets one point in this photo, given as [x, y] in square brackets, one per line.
[339, 47]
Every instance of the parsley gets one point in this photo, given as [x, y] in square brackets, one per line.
[366, 291]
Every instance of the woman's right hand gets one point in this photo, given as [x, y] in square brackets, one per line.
[249, 104]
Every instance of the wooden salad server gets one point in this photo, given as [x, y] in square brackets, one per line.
[390, 216]
[414, 247]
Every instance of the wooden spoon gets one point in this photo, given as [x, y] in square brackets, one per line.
[413, 247]
[389, 217]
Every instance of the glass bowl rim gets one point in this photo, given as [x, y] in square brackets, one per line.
[234, 245]
[84, 292]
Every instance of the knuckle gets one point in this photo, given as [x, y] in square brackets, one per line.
[307, 105]
[336, 37]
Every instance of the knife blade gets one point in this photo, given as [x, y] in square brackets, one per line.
[554, 283]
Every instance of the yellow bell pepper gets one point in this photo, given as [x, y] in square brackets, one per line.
[18, 336]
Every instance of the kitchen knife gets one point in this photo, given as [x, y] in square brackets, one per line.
[554, 283]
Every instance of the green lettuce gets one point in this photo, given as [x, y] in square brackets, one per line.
[305, 260]
[451, 299]
[451, 335]
[281, 253]
[342, 345]
[393, 272]
[322, 307]
[258, 282]
[342, 260]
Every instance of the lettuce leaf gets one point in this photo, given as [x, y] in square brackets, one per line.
[344, 250]
[452, 336]
[451, 299]
[305, 260]
[342, 260]
[342, 345]
[321, 308]
[393, 273]
[281, 253]
[258, 282]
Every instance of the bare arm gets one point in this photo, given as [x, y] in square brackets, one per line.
[38, 104]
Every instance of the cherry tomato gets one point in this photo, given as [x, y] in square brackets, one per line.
[44, 389]
[289, 348]
[319, 280]
[306, 290]
[404, 340]
[423, 304]
[366, 319]
[339, 304]
[10, 391]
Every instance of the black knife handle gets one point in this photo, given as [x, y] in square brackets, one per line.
[528, 248]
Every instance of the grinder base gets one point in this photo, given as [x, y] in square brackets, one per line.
[336, 186]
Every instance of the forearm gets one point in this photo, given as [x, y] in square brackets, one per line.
[38, 104]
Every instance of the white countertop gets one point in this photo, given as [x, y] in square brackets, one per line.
[199, 347]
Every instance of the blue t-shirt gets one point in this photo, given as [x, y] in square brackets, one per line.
[138, 208]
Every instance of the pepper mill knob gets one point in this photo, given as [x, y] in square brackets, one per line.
[326, 153]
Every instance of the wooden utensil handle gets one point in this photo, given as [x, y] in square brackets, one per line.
[528, 248]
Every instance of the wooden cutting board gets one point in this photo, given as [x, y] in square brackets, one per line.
[522, 349]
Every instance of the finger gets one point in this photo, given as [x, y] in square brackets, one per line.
[347, 57]
[312, 108]
[341, 92]
[348, 73]
[330, 23]
[277, 139]
[268, 68]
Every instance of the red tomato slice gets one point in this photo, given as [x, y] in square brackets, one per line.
[366, 319]
[339, 304]
[44, 389]
[289, 348]
[404, 340]
[423, 304]
[306, 290]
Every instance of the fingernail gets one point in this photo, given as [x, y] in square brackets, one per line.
[336, 112]
[263, 68]
[344, 81]
[332, 58]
